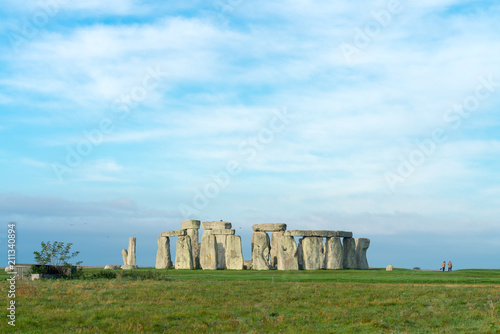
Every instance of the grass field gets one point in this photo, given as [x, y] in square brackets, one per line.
[323, 301]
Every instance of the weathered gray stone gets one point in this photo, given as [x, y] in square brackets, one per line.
[222, 232]
[234, 254]
[112, 266]
[287, 254]
[349, 254]
[194, 224]
[175, 233]
[333, 253]
[389, 267]
[131, 252]
[221, 250]
[260, 251]
[220, 225]
[129, 266]
[247, 264]
[163, 256]
[125, 257]
[208, 251]
[312, 248]
[322, 234]
[362, 245]
[183, 253]
[269, 227]
[275, 239]
[195, 246]
[300, 254]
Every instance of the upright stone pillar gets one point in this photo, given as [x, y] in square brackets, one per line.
[183, 254]
[275, 242]
[163, 256]
[220, 229]
[287, 254]
[349, 254]
[312, 248]
[125, 257]
[333, 253]
[362, 245]
[131, 260]
[300, 254]
[208, 251]
[234, 254]
[260, 251]
[192, 227]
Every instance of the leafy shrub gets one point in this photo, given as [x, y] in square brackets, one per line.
[53, 259]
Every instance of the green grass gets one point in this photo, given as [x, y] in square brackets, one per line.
[329, 301]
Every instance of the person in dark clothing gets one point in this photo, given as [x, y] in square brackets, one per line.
[443, 265]
[449, 266]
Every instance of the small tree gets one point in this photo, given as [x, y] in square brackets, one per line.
[54, 257]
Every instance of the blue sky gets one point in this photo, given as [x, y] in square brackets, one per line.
[123, 118]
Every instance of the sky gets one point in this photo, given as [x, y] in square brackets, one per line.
[123, 118]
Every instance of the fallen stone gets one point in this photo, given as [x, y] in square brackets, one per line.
[275, 239]
[195, 246]
[333, 253]
[221, 240]
[194, 224]
[112, 266]
[362, 245]
[322, 234]
[260, 251]
[269, 227]
[163, 257]
[129, 267]
[220, 225]
[131, 260]
[176, 233]
[287, 254]
[222, 232]
[208, 251]
[349, 254]
[183, 254]
[125, 257]
[389, 267]
[234, 254]
[247, 264]
[312, 249]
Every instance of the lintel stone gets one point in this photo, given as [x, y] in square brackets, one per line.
[223, 232]
[269, 227]
[175, 233]
[220, 225]
[322, 234]
[193, 224]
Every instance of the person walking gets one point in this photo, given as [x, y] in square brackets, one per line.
[449, 266]
[443, 265]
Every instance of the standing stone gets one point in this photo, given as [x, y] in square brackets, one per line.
[131, 261]
[183, 253]
[287, 254]
[275, 241]
[260, 251]
[163, 257]
[300, 254]
[333, 253]
[312, 248]
[349, 254]
[389, 267]
[234, 254]
[208, 251]
[125, 257]
[195, 246]
[221, 240]
[247, 264]
[362, 245]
